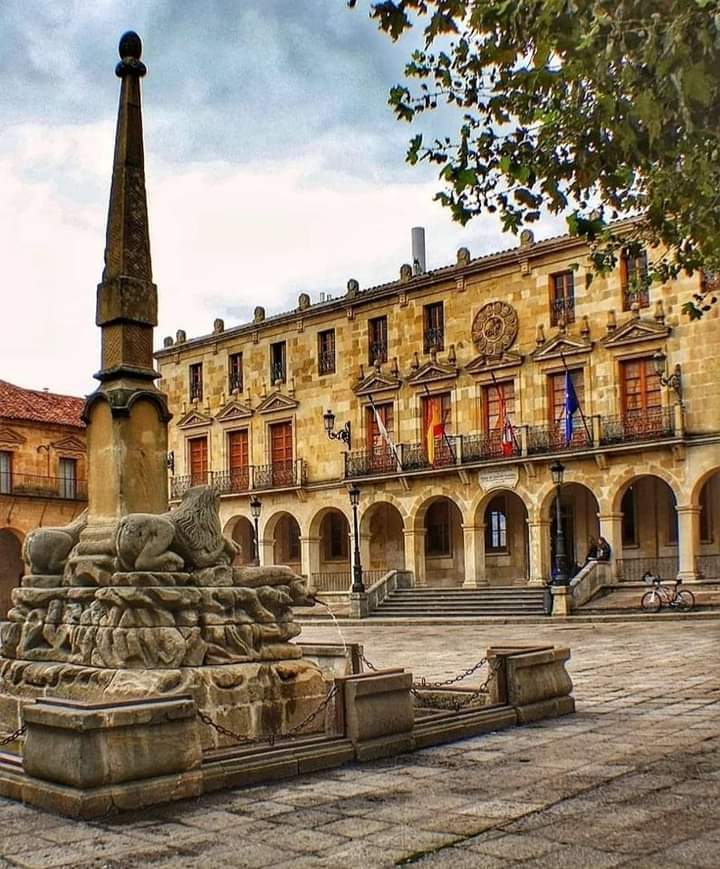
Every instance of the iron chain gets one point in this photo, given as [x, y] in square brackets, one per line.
[240, 739]
[11, 737]
[454, 679]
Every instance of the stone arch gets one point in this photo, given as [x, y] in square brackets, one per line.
[704, 533]
[649, 534]
[630, 476]
[580, 509]
[502, 516]
[440, 520]
[241, 530]
[382, 537]
[11, 566]
[281, 540]
[700, 483]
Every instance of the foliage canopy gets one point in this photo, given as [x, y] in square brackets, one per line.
[595, 108]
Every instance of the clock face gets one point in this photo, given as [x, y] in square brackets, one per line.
[495, 328]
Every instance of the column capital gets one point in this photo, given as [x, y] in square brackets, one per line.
[474, 526]
[414, 532]
[309, 539]
[688, 509]
[609, 516]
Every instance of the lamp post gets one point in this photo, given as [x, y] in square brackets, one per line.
[342, 434]
[357, 580]
[255, 507]
[674, 380]
[561, 566]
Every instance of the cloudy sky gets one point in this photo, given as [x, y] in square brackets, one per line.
[274, 167]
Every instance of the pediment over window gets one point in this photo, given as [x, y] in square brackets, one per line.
[562, 345]
[431, 372]
[69, 444]
[194, 419]
[635, 331]
[277, 401]
[486, 364]
[377, 382]
[233, 411]
[10, 438]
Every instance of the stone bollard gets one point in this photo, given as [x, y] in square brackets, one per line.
[533, 681]
[85, 760]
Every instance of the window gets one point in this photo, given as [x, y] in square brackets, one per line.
[436, 412]
[235, 373]
[438, 540]
[196, 382]
[496, 526]
[640, 386]
[562, 298]
[629, 520]
[494, 395]
[337, 538]
[281, 454]
[5, 472]
[326, 351]
[705, 514]
[556, 402]
[634, 279]
[377, 340]
[434, 323]
[278, 371]
[380, 457]
[237, 444]
[67, 478]
[198, 455]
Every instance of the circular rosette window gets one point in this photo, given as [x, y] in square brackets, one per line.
[495, 328]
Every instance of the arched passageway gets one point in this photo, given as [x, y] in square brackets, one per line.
[243, 533]
[506, 539]
[382, 541]
[708, 543]
[285, 537]
[579, 512]
[330, 556]
[444, 545]
[11, 567]
[649, 529]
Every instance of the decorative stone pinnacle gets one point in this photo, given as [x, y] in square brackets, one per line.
[130, 50]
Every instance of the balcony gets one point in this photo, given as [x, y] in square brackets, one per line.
[433, 339]
[538, 441]
[281, 475]
[36, 486]
[562, 308]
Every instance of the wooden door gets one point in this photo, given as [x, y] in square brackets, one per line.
[641, 398]
[198, 461]
[281, 453]
[238, 460]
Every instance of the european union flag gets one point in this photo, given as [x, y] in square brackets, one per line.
[571, 405]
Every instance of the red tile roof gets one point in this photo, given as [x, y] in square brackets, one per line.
[32, 405]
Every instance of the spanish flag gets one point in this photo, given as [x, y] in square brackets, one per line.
[435, 428]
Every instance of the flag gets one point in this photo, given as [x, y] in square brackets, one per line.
[507, 433]
[383, 432]
[435, 428]
[570, 406]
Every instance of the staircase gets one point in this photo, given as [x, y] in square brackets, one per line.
[442, 603]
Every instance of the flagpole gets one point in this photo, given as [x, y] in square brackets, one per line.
[442, 423]
[389, 442]
[506, 416]
[580, 410]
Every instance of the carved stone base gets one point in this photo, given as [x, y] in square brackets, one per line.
[251, 699]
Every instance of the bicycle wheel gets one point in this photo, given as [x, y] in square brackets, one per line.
[685, 599]
[651, 601]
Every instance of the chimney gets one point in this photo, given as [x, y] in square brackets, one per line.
[418, 250]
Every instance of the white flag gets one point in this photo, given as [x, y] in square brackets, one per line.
[385, 436]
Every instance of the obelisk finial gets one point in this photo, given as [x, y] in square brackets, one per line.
[127, 297]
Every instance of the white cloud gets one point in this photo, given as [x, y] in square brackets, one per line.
[225, 238]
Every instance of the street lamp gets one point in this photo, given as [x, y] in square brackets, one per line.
[561, 576]
[674, 380]
[342, 435]
[357, 582]
[255, 507]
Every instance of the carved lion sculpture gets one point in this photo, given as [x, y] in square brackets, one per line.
[185, 538]
[45, 550]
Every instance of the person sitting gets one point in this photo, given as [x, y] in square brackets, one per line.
[592, 552]
[603, 549]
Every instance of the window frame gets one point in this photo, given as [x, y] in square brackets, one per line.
[378, 336]
[6, 474]
[432, 323]
[501, 548]
[235, 372]
[326, 357]
[568, 299]
[634, 279]
[195, 381]
[281, 362]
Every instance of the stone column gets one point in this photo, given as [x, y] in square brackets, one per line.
[474, 541]
[611, 530]
[266, 549]
[539, 551]
[415, 554]
[309, 557]
[688, 541]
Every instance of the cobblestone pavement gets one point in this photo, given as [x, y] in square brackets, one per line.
[632, 780]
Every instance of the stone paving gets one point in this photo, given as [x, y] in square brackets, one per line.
[632, 780]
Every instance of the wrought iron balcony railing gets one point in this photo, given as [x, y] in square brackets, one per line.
[415, 456]
[281, 475]
[232, 482]
[38, 486]
[480, 447]
[552, 438]
[562, 309]
[637, 425]
[363, 463]
[326, 362]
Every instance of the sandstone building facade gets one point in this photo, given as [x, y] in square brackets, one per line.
[468, 369]
[42, 471]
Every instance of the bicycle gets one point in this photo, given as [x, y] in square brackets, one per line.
[664, 595]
